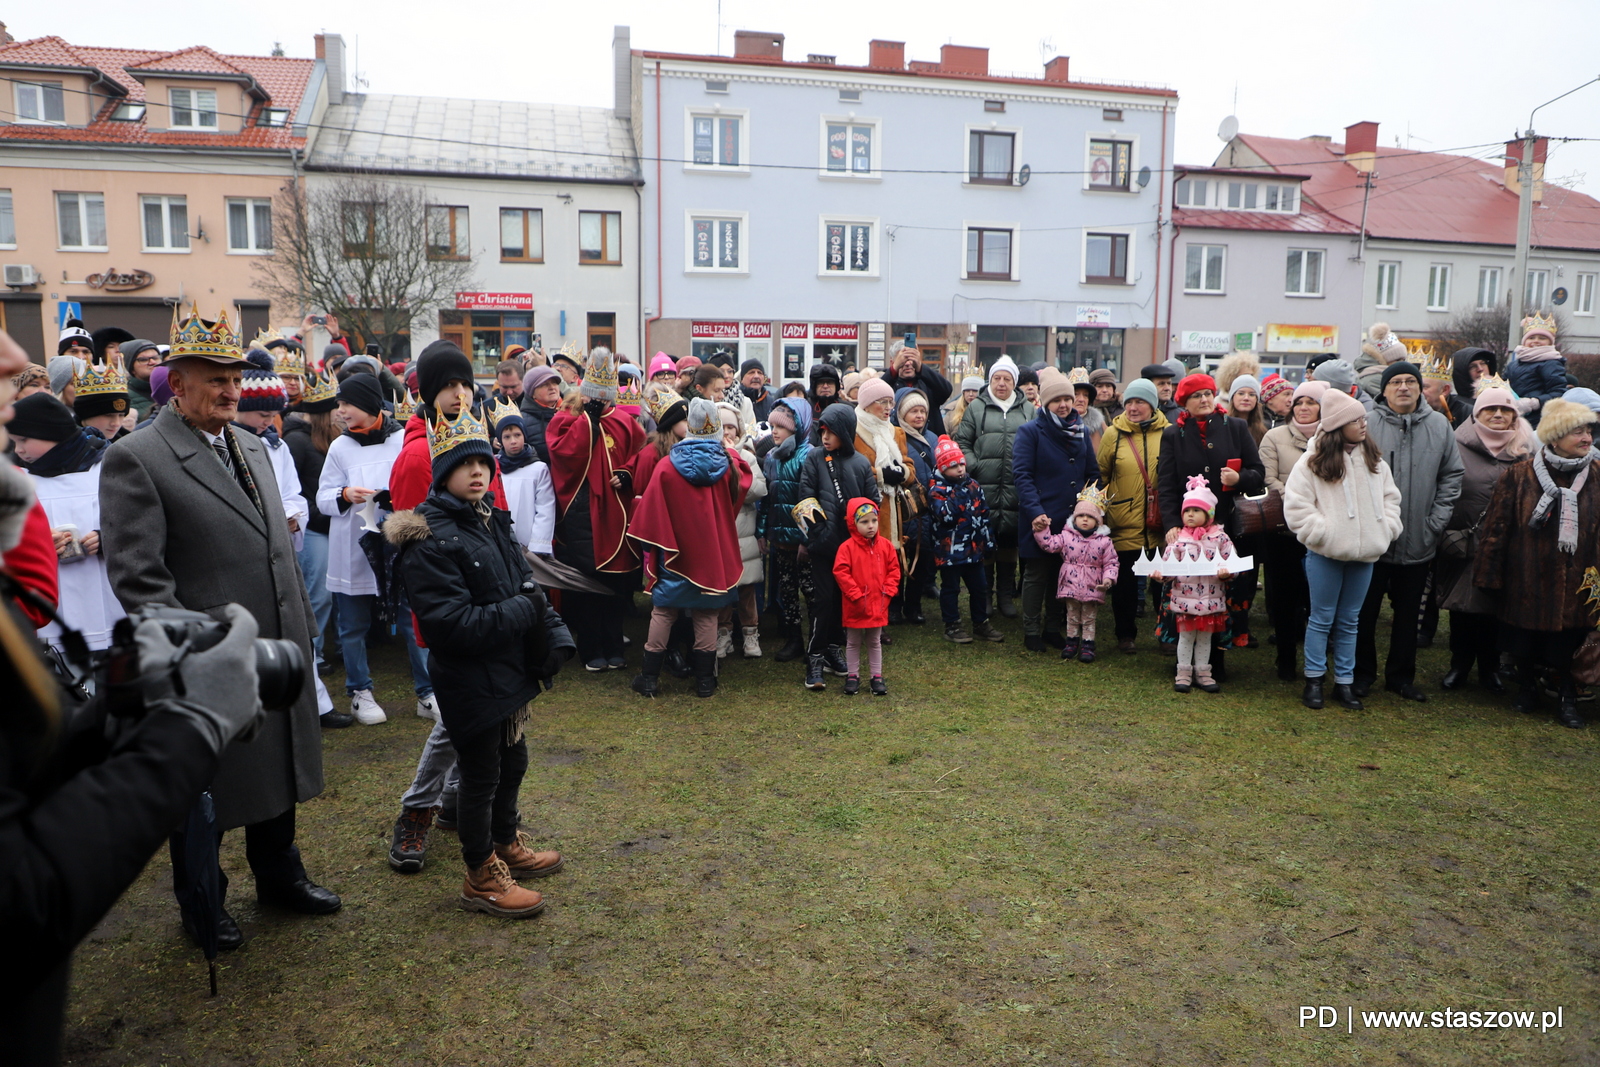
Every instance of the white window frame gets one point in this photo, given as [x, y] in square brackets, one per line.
[1484, 274]
[1529, 303]
[966, 164]
[166, 204]
[1205, 250]
[1016, 248]
[741, 217]
[1132, 140]
[714, 113]
[39, 88]
[8, 214]
[1193, 183]
[875, 252]
[1291, 191]
[250, 205]
[1583, 287]
[194, 108]
[1439, 286]
[1322, 273]
[83, 222]
[876, 158]
[1130, 232]
[1391, 268]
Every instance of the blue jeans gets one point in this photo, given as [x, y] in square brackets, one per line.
[952, 578]
[355, 619]
[313, 557]
[1338, 589]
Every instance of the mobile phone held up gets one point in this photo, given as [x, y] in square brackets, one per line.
[319, 320]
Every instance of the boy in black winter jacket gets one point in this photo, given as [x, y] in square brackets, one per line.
[494, 641]
[833, 474]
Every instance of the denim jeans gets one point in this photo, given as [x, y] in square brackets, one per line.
[437, 778]
[313, 557]
[1338, 589]
[952, 577]
[355, 619]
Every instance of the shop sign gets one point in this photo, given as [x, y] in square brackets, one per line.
[1282, 337]
[796, 331]
[1094, 315]
[494, 301]
[714, 331]
[835, 331]
[1206, 342]
[115, 281]
[758, 329]
[1244, 341]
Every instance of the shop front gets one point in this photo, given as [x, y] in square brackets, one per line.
[483, 324]
[738, 341]
[800, 344]
[1285, 347]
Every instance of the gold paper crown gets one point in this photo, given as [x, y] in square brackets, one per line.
[1440, 367]
[289, 359]
[1492, 381]
[711, 423]
[194, 336]
[572, 350]
[319, 387]
[629, 393]
[501, 412]
[660, 400]
[405, 407]
[1077, 375]
[104, 379]
[1538, 321]
[448, 433]
[601, 372]
[264, 338]
[1097, 496]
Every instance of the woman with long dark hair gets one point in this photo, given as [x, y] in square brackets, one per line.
[1282, 557]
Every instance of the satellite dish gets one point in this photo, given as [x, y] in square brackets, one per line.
[1144, 177]
[1229, 128]
[1024, 174]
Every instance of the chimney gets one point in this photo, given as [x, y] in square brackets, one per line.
[330, 49]
[886, 55]
[753, 44]
[5, 36]
[1056, 70]
[621, 73]
[963, 59]
[1514, 158]
[1361, 146]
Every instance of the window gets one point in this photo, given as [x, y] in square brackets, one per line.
[1582, 301]
[8, 221]
[1388, 284]
[486, 334]
[194, 109]
[1439, 287]
[988, 253]
[81, 221]
[127, 113]
[849, 96]
[273, 116]
[360, 228]
[1110, 163]
[447, 233]
[713, 86]
[166, 223]
[1488, 288]
[1105, 258]
[716, 243]
[995, 106]
[989, 156]
[1243, 196]
[1024, 344]
[1191, 192]
[849, 148]
[1280, 198]
[602, 330]
[1202, 271]
[522, 234]
[1303, 273]
[849, 247]
[1537, 290]
[599, 237]
[1111, 114]
[41, 102]
[249, 225]
[717, 141]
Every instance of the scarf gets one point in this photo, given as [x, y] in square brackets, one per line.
[1004, 405]
[1536, 353]
[509, 463]
[375, 434]
[1498, 441]
[1071, 426]
[1567, 525]
[73, 456]
[1185, 419]
[879, 434]
[241, 469]
[268, 433]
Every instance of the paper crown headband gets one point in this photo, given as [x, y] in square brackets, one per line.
[1440, 367]
[447, 433]
[1096, 496]
[100, 379]
[660, 400]
[194, 336]
[319, 387]
[1077, 375]
[501, 412]
[1538, 321]
[405, 407]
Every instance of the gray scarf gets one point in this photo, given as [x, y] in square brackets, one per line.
[1567, 524]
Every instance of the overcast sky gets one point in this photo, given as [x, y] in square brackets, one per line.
[1436, 75]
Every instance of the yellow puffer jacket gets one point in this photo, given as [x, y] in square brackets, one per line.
[1124, 444]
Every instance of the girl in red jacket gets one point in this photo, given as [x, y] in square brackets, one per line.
[867, 569]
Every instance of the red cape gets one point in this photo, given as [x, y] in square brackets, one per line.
[575, 461]
[691, 527]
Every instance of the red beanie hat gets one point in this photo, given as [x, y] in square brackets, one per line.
[1192, 384]
[947, 453]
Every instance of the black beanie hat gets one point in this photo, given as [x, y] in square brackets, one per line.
[824, 370]
[441, 363]
[1399, 367]
[749, 365]
[43, 417]
[362, 391]
[1320, 358]
[109, 335]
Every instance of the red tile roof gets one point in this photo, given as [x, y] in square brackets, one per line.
[1431, 196]
[1310, 219]
[282, 80]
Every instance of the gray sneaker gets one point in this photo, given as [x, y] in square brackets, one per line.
[957, 634]
[986, 630]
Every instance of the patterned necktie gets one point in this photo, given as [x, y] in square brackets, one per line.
[224, 455]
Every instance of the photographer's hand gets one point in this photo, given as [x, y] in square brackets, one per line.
[220, 689]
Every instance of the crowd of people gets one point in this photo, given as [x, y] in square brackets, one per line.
[497, 530]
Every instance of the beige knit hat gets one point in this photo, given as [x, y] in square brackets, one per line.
[1561, 417]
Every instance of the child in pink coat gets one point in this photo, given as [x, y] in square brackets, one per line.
[1199, 602]
[1088, 568]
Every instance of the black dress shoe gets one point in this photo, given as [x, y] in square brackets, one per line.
[1454, 678]
[337, 720]
[1492, 681]
[1567, 715]
[304, 896]
[1408, 691]
[1312, 697]
[1033, 643]
[1360, 688]
[229, 936]
[1345, 697]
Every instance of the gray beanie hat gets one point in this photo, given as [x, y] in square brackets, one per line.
[61, 369]
[1178, 367]
[971, 381]
[1338, 373]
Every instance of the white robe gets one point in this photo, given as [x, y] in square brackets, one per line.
[289, 488]
[363, 466]
[86, 601]
[531, 499]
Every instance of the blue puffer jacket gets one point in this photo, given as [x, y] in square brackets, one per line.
[1545, 379]
[961, 530]
[782, 468]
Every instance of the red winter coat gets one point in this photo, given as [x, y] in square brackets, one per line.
[868, 573]
[33, 563]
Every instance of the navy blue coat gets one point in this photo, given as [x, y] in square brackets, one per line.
[1050, 467]
[1546, 380]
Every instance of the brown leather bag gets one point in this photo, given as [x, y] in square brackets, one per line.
[1260, 514]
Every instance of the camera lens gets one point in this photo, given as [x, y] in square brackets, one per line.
[280, 672]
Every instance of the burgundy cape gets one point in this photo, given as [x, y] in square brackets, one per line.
[689, 529]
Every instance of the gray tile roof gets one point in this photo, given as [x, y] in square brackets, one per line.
[491, 138]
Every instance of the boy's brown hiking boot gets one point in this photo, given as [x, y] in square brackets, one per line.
[524, 862]
[492, 890]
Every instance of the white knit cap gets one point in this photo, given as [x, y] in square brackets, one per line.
[1004, 363]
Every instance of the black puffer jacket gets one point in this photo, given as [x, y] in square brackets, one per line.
[935, 386]
[535, 418]
[463, 578]
[852, 471]
[1185, 453]
[1461, 378]
[307, 464]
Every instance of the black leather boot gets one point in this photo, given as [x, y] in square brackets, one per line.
[705, 672]
[648, 681]
[791, 649]
[1345, 697]
[1219, 664]
[1312, 697]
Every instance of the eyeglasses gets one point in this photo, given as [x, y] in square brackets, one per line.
[146, 359]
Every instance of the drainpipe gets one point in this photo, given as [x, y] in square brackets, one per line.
[1161, 203]
[1172, 263]
[649, 352]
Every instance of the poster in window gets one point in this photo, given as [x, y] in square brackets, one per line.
[1122, 162]
[702, 140]
[728, 245]
[838, 138]
[835, 241]
[729, 155]
[861, 149]
[704, 238]
[861, 248]
[1101, 162]
[794, 361]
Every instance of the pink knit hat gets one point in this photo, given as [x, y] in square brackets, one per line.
[1494, 397]
[662, 362]
[1339, 409]
[1197, 494]
[873, 390]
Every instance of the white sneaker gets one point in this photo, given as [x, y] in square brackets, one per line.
[752, 643]
[724, 643]
[366, 709]
[428, 708]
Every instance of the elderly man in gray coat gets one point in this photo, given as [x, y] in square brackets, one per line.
[190, 517]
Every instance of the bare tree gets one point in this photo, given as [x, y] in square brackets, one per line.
[1474, 329]
[375, 253]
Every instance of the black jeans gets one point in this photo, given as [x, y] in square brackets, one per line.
[491, 775]
[1125, 596]
[977, 582]
[595, 620]
[268, 846]
[827, 606]
[1288, 596]
[1474, 638]
[1404, 585]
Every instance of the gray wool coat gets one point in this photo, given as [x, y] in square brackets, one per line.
[176, 528]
